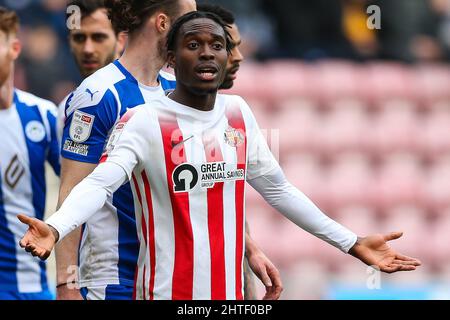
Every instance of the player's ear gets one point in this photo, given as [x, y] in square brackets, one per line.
[122, 38]
[16, 48]
[162, 23]
[171, 59]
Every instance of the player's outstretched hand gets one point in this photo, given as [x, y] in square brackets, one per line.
[374, 250]
[264, 269]
[40, 239]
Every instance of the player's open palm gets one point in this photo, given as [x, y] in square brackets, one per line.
[39, 239]
[375, 251]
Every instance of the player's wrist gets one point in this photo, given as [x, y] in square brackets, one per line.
[55, 233]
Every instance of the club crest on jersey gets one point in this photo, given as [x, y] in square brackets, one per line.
[35, 131]
[233, 137]
[81, 126]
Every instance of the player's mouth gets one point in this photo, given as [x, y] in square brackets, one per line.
[207, 72]
[90, 64]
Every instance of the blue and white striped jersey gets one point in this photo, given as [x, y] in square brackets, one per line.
[28, 139]
[109, 246]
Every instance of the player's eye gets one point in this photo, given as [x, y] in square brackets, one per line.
[99, 37]
[217, 46]
[79, 38]
[193, 45]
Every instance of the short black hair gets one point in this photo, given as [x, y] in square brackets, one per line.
[226, 15]
[87, 7]
[173, 33]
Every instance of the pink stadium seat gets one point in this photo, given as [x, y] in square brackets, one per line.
[305, 172]
[346, 128]
[335, 80]
[438, 239]
[433, 82]
[400, 181]
[289, 79]
[351, 181]
[383, 81]
[436, 131]
[396, 127]
[299, 128]
[437, 185]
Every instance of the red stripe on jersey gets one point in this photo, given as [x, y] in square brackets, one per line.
[215, 223]
[151, 234]
[236, 120]
[183, 273]
[144, 232]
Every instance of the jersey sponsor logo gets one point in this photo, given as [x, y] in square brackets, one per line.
[187, 177]
[75, 147]
[91, 93]
[233, 137]
[14, 171]
[81, 126]
[35, 131]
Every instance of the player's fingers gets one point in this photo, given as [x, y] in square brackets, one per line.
[270, 294]
[25, 219]
[390, 268]
[406, 258]
[405, 262]
[264, 276]
[393, 236]
[407, 268]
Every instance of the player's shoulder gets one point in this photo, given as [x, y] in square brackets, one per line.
[95, 88]
[31, 100]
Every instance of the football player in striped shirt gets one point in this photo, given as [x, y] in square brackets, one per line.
[28, 140]
[188, 157]
[111, 275]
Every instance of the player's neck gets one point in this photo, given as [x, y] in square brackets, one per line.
[7, 93]
[142, 60]
[199, 102]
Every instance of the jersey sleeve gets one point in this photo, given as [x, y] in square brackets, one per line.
[129, 141]
[90, 117]
[260, 159]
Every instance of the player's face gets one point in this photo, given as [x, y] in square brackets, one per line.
[200, 58]
[234, 59]
[95, 44]
[9, 52]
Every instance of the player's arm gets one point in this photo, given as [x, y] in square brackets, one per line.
[297, 207]
[66, 251]
[90, 195]
[265, 270]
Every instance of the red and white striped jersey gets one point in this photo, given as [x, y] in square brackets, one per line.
[188, 170]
